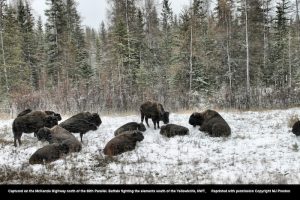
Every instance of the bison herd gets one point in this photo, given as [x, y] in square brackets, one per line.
[45, 126]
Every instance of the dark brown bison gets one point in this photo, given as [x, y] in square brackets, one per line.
[49, 153]
[82, 123]
[296, 128]
[210, 121]
[155, 111]
[31, 123]
[126, 141]
[58, 134]
[171, 130]
[131, 126]
[48, 112]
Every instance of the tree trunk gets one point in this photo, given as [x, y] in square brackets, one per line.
[247, 61]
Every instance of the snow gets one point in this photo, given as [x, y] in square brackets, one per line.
[260, 150]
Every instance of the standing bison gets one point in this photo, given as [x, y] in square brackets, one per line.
[49, 153]
[296, 128]
[131, 126]
[58, 134]
[171, 130]
[82, 123]
[155, 111]
[210, 121]
[31, 122]
[123, 142]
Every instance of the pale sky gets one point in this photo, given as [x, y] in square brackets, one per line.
[94, 11]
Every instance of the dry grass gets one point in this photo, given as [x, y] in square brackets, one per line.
[5, 116]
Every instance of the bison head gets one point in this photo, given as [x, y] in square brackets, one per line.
[96, 119]
[44, 134]
[196, 119]
[137, 135]
[50, 121]
[141, 127]
[165, 117]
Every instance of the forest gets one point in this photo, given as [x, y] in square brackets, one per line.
[231, 54]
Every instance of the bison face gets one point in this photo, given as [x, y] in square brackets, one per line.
[50, 121]
[44, 134]
[165, 117]
[58, 116]
[142, 127]
[196, 119]
[96, 119]
[138, 136]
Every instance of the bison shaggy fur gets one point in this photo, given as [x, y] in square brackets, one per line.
[48, 153]
[82, 123]
[296, 128]
[131, 126]
[31, 123]
[171, 130]
[58, 134]
[123, 143]
[155, 111]
[211, 122]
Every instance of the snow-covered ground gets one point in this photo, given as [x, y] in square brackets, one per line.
[261, 150]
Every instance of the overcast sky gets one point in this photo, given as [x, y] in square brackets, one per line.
[94, 11]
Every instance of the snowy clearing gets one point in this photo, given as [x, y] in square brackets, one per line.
[260, 150]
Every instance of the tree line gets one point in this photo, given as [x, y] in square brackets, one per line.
[236, 54]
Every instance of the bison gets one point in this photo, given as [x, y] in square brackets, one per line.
[296, 128]
[48, 112]
[171, 130]
[58, 134]
[82, 123]
[131, 126]
[31, 122]
[126, 141]
[155, 111]
[210, 121]
[48, 153]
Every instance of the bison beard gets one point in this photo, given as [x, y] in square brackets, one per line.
[155, 111]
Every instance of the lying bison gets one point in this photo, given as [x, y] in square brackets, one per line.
[82, 123]
[123, 142]
[210, 121]
[31, 123]
[131, 126]
[296, 128]
[58, 134]
[48, 153]
[155, 111]
[171, 130]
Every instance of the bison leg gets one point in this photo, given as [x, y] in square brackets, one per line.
[81, 134]
[142, 117]
[157, 123]
[17, 136]
[154, 122]
[146, 119]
